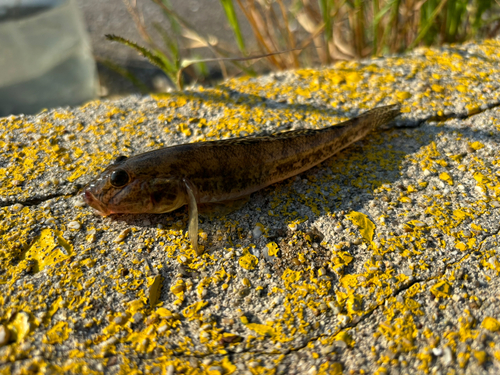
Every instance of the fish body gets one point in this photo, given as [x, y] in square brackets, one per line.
[166, 179]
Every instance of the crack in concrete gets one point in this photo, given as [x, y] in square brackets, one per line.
[37, 200]
[349, 326]
[366, 316]
[313, 339]
[467, 253]
[486, 106]
[414, 123]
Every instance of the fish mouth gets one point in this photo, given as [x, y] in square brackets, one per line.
[93, 202]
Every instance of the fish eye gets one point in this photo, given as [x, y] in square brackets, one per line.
[119, 178]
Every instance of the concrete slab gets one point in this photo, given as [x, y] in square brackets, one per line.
[383, 259]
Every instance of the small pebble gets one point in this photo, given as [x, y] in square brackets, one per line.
[343, 319]
[215, 370]
[4, 335]
[137, 318]
[437, 352]
[257, 232]
[79, 203]
[327, 349]
[50, 220]
[479, 190]
[119, 320]
[152, 319]
[253, 364]
[16, 207]
[207, 361]
[75, 225]
[162, 328]
[111, 341]
[122, 235]
[447, 357]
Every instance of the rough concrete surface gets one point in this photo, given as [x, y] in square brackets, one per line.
[383, 259]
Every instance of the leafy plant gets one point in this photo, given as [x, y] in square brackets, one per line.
[350, 29]
[337, 29]
[169, 59]
[166, 57]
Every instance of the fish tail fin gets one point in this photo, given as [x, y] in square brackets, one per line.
[381, 115]
[344, 134]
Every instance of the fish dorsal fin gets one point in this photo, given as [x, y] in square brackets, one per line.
[271, 137]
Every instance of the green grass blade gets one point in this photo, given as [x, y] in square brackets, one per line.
[176, 27]
[228, 7]
[325, 7]
[482, 6]
[171, 44]
[185, 24]
[393, 7]
[382, 12]
[428, 28]
[375, 26]
[455, 18]
[427, 24]
[358, 27]
[155, 57]
[152, 57]
[170, 67]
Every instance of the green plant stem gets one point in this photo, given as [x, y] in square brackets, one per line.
[228, 7]
[324, 6]
[428, 24]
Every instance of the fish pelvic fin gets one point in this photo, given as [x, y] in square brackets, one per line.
[193, 217]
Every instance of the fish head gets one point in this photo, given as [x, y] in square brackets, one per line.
[121, 189]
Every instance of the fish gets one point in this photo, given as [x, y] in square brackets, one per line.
[220, 173]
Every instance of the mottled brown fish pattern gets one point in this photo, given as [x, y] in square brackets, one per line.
[219, 172]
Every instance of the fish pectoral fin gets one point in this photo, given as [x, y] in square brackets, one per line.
[193, 218]
[222, 208]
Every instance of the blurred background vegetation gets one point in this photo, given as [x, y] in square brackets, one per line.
[301, 33]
